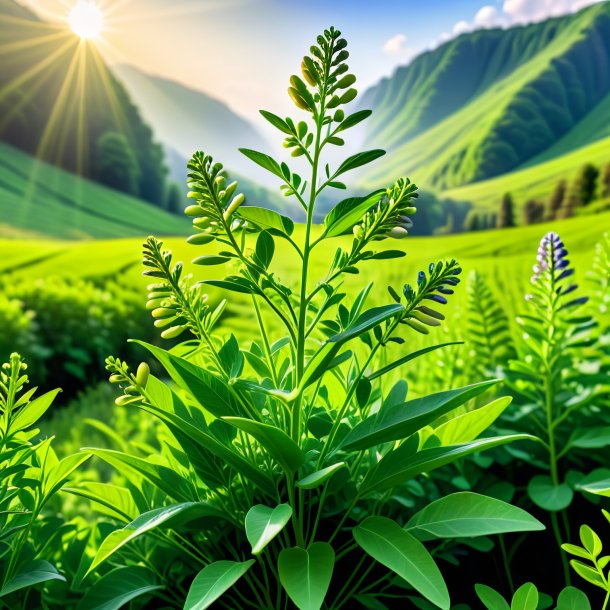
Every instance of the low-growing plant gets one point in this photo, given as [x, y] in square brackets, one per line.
[278, 480]
[527, 597]
[30, 475]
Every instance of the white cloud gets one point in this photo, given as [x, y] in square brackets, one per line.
[460, 27]
[487, 17]
[397, 45]
[514, 12]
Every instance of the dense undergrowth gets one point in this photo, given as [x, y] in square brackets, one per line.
[360, 452]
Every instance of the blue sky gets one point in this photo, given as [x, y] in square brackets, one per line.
[243, 51]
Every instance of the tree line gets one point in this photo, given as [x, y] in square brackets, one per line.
[590, 184]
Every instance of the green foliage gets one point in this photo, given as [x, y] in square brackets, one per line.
[286, 450]
[66, 327]
[116, 164]
[30, 475]
[527, 597]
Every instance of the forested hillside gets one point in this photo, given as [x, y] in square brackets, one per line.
[491, 101]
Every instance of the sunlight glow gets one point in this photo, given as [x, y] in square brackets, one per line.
[86, 20]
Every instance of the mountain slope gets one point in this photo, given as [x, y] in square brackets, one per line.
[187, 120]
[39, 200]
[491, 101]
[59, 102]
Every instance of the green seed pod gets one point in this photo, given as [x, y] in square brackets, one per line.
[339, 116]
[142, 374]
[124, 400]
[230, 190]
[115, 378]
[299, 102]
[219, 181]
[307, 75]
[163, 312]
[358, 232]
[200, 239]
[173, 332]
[237, 201]
[194, 210]
[202, 223]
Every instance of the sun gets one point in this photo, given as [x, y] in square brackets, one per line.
[86, 20]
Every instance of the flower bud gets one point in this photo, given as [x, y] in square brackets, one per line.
[142, 374]
[237, 201]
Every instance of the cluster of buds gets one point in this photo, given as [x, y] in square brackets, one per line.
[132, 385]
[216, 200]
[12, 380]
[551, 268]
[390, 217]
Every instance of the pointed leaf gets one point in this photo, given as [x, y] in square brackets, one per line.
[33, 574]
[117, 588]
[525, 597]
[358, 160]
[213, 581]
[490, 598]
[400, 421]
[385, 541]
[263, 218]
[279, 445]
[349, 212]
[319, 476]
[465, 514]
[265, 161]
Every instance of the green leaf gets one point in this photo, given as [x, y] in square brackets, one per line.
[119, 587]
[166, 516]
[590, 540]
[366, 321]
[209, 391]
[545, 494]
[400, 421]
[406, 462]
[213, 581]
[470, 425]
[385, 541]
[525, 598]
[60, 473]
[114, 501]
[306, 574]
[265, 161]
[319, 476]
[174, 485]
[408, 358]
[466, 514]
[490, 598]
[265, 248]
[349, 212]
[353, 119]
[599, 488]
[572, 598]
[229, 285]
[276, 121]
[279, 445]
[588, 573]
[31, 412]
[188, 434]
[263, 524]
[33, 574]
[591, 438]
[267, 219]
[358, 160]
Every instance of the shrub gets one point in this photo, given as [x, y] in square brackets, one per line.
[282, 457]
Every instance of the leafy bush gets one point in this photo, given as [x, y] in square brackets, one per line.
[285, 462]
[66, 327]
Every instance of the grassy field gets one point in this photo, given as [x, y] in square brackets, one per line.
[506, 256]
[72, 208]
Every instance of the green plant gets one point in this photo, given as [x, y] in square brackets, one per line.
[282, 456]
[551, 377]
[527, 597]
[30, 475]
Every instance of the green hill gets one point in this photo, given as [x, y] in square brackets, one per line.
[40, 201]
[60, 103]
[492, 101]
